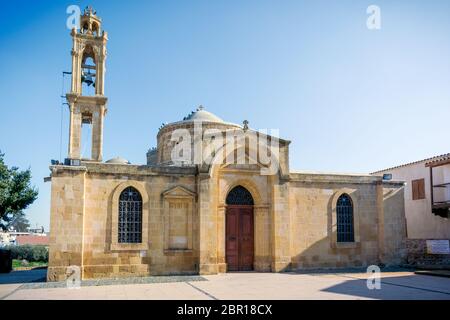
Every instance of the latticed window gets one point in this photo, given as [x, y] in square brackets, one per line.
[344, 213]
[130, 216]
[239, 196]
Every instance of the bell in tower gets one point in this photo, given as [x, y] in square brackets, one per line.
[88, 73]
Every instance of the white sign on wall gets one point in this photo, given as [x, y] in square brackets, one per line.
[438, 247]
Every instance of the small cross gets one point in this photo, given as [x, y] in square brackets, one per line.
[245, 122]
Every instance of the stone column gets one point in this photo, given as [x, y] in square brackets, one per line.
[74, 132]
[262, 261]
[221, 227]
[77, 79]
[207, 226]
[281, 255]
[70, 147]
[97, 134]
[74, 86]
[100, 77]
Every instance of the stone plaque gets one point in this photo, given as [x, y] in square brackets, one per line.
[438, 247]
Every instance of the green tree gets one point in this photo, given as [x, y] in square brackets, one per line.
[16, 194]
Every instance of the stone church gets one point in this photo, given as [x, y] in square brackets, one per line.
[181, 214]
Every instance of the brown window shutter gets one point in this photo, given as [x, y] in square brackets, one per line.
[418, 189]
[422, 189]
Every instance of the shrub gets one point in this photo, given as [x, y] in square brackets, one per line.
[31, 253]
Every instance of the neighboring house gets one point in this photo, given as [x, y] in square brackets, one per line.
[21, 238]
[6, 239]
[427, 201]
[170, 216]
[32, 239]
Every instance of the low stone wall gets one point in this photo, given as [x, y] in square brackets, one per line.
[417, 254]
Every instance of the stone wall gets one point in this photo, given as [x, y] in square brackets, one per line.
[66, 222]
[379, 225]
[392, 224]
[83, 220]
[183, 220]
[313, 204]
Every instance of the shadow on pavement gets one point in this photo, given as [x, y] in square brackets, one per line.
[393, 288]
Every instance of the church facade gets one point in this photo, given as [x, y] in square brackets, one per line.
[213, 197]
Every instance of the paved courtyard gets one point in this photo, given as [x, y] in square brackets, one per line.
[20, 285]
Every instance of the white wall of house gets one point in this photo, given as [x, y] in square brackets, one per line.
[421, 222]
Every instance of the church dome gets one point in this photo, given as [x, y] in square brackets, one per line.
[202, 115]
[118, 160]
[199, 119]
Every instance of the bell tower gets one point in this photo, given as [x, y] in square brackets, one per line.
[87, 111]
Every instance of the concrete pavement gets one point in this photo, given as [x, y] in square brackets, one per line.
[252, 285]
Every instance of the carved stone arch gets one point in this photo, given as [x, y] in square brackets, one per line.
[261, 218]
[84, 27]
[117, 191]
[80, 46]
[239, 196]
[351, 193]
[89, 50]
[97, 53]
[95, 28]
[217, 163]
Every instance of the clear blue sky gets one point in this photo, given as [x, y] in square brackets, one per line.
[350, 99]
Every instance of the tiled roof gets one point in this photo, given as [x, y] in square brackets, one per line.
[444, 157]
[428, 160]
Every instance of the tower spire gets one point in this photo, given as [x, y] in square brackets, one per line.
[88, 70]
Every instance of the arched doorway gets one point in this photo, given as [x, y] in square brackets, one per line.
[239, 237]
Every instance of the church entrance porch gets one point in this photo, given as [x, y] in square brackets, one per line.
[239, 238]
[239, 230]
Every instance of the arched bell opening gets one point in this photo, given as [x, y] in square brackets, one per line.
[88, 72]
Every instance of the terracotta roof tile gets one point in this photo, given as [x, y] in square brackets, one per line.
[428, 160]
[444, 157]
[30, 239]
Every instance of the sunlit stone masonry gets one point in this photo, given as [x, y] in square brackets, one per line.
[243, 209]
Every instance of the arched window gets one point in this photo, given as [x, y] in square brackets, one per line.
[130, 216]
[344, 213]
[88, 71]
[239, 196]
[85, 28]
[95, 29]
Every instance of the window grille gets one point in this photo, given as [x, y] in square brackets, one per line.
[130, 216]
[239, 196]
[344, 213]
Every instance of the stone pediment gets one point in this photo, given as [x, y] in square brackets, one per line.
[178, 192]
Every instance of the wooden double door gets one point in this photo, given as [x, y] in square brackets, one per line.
[239, 238]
